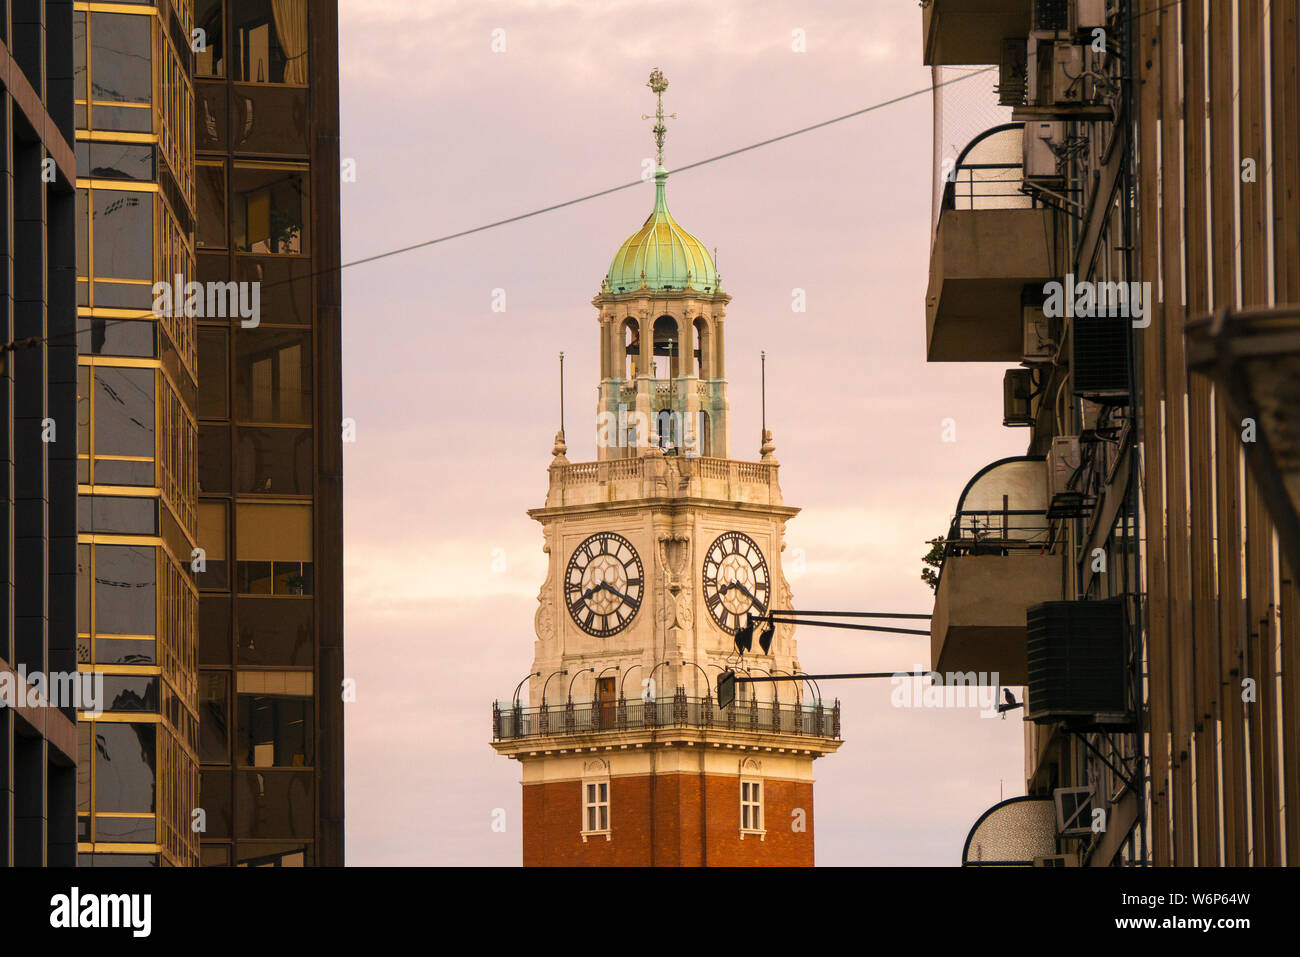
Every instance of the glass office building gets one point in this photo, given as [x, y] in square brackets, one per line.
[137, 603]
[270, 449]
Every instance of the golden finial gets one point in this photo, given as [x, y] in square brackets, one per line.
[658, 84]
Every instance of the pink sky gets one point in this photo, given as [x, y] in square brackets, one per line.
[456, 405]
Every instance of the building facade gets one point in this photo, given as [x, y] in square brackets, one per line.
[269, 408]
[38, 376]
[1142, 173]
[659, 551]
[137, 604]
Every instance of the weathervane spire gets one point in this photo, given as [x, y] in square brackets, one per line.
[658, 84]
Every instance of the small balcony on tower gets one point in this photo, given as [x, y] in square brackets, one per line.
[970, 32]
[804, 722]
[991, 241]
[997, 560]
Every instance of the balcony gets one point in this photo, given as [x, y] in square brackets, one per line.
[663, 476]
[997, 561]
[813, 720]
[970, 32]
[991, 241]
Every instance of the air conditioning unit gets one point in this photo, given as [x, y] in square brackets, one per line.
[1051, 15]
[1055, 73]
[1089, 14]
[1068, 81]
[1063, 460]
[1099, 359]
[1057, 860]
[1017, 398]
[1073, 812]
[1077, 664]
[1012, 72]
[1042, 141]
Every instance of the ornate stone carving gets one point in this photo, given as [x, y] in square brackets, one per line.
[544, 617]
[673, 554]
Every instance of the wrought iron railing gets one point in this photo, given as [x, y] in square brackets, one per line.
[511, 722]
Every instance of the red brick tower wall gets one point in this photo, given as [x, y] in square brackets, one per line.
[668, 820]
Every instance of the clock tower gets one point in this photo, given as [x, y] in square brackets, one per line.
[659, 551]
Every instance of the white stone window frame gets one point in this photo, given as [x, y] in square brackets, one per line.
[595, 777]
[750, 784]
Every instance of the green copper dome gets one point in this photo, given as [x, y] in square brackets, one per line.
[662, 254]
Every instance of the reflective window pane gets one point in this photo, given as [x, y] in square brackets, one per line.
[271, 120]
[124, 411]
[275, 461]
[273, 376]
[210, 187]
[275, 731]
[214, 717]
[268, 210]
[123, 233]
[210, 55]
[214, 630]
[120, 58]
[214, 458]
[273, 631]
[275, 804]
[130, 693]
[116, 337]
[270, 40]
[125, 589]
[125, 762]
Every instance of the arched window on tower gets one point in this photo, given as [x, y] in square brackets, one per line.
[703, 434]
[666, 347]
[667, 424]
[701, 335]
[631, 347]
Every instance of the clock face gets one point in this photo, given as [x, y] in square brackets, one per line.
[604, 584]
[736, 581]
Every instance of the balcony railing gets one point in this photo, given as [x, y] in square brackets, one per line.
[1002, 508]
[512, 723]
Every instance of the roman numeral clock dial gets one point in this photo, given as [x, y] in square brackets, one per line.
[604, 584]
[736, 581]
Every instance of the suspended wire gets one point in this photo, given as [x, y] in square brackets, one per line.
[34, 341]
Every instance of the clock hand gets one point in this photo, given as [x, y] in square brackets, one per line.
[613, 591]
[752, 599]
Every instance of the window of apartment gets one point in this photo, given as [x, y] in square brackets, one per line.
[214, 717]
[751, 807]
[125, 593]
[125, 766]
[276, 711]
[213, 372]
[120, 79]
[273, 461]
[268, 209]
[595, 808]
[210, 59]
[213, 523]
[273, 545]
[273, 376]
[269, 40]
[210, 187]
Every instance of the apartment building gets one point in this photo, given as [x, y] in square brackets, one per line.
[1125, 238]
[38, 405]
